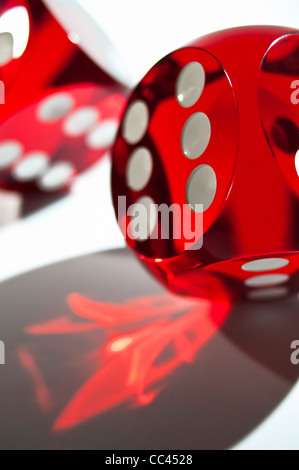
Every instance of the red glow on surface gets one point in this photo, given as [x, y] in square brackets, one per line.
[135, 363]
[42, 394]
[106, 314]
[60, 326]
[120, 344]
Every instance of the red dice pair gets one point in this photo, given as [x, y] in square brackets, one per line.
[212, 133]
[62, 100]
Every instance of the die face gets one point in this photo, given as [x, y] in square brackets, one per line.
[255, 219]
[61, 111]
[172, 147]
[264, 278]
[67, 132]
[278, 102]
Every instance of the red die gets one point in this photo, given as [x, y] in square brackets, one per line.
[62, 102]
[205, 129]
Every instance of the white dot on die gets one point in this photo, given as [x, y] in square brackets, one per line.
[31, 167]
[201, 188]
[16, 21]
[267, 280]
[268, 294]
[103, 135]
[80, 121]
[190, 84]
[57, 177]
[196, 136]
[74, 37]
[147, 215]
[10, 151]
[55, 107]
[297, 162]
[267, 264]
[6, 48]
[139, 169]
[135, 122]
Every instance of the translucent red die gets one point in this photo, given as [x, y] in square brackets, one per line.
[64, 91]
[212, 130]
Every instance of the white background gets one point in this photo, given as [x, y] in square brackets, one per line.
[84, 222]
[146, 31]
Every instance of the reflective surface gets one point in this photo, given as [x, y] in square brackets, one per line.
[61, 110]
[208, 145]
[101, 367]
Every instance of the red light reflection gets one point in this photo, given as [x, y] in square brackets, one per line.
[134, 363]
[42, 393]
